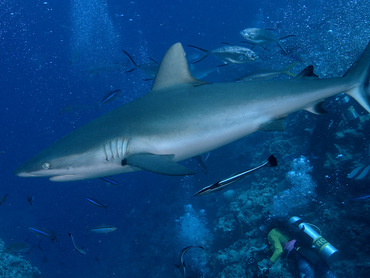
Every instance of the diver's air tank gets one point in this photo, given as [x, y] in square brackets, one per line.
[320, 244]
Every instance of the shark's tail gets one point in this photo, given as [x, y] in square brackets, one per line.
[359, 75]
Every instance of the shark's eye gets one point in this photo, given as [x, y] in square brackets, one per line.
[45, 166]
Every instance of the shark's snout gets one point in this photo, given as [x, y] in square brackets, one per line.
[24, 171]
[20, 172]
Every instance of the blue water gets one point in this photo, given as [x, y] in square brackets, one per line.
[58, 53]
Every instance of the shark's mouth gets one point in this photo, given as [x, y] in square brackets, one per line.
[66, 178]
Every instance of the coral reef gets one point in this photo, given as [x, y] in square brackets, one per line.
[15, 266]
[318, 190]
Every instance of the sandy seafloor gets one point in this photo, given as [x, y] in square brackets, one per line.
[58, 59]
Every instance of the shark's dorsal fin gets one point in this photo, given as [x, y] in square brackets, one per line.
[174, 69]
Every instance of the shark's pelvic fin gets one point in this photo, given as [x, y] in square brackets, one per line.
[317, 109]
[174, 69]
[160, 164]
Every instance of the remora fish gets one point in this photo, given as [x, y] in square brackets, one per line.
[261, 37]
[271, 162]
[229, 54]
[182, 117]
[181, 264]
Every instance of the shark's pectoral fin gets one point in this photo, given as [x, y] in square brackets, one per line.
[277, 125]
[160, 164]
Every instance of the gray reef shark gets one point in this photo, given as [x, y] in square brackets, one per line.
[182, 117]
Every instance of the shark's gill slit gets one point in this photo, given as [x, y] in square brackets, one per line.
[111, 150]
[119, 148]
[106, 152]
[116, 149]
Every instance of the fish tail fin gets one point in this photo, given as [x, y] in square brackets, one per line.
[359, 75]
[285, 37]
[131, 60]
[97, 106]
[282, 48]
[272, 161]
[288, 68]
[154, 61]
[205, 51]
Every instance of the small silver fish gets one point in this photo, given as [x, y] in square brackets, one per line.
[261, 37]
[103, 229]
[229, 54]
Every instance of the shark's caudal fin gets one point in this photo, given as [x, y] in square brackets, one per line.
[359, 74]
[174, 69]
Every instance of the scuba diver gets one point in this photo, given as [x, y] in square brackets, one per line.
[299, 243]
